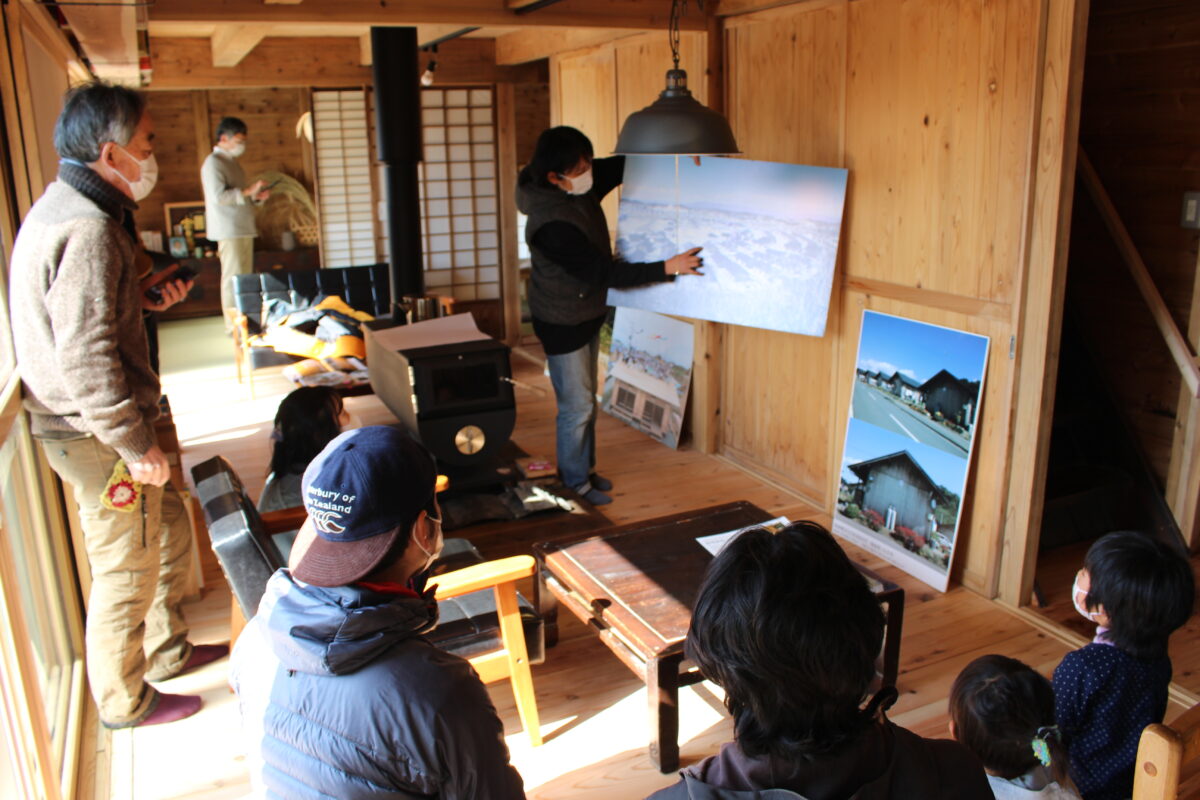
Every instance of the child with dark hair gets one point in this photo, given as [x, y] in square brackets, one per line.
[1138, 591]
[787, 626]
[307, 419]
[1003, 712]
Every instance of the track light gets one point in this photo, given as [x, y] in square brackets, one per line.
[427, 75]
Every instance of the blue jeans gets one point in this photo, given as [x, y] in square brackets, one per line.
[574, 378]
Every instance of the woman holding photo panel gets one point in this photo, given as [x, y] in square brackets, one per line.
[573, 267]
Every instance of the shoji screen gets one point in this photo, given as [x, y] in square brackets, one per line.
[460, 221]
[344, 163]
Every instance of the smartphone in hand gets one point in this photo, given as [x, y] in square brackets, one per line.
[182, 273]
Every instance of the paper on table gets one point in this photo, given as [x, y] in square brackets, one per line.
[716, 542]
[430, 333]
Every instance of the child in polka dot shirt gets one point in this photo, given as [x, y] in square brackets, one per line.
[1138, 591]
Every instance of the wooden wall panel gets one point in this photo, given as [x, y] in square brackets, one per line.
[786, 73]
[184, 125]
[585, 88]
[532, 116]
[937, 139]
[930, 107]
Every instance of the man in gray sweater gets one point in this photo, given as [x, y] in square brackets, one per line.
[229, 207]
[92, 397]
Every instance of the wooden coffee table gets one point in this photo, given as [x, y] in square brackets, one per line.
[636, 585]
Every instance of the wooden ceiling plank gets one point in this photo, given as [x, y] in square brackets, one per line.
[628, 14]
[531, 45]
[232, 43]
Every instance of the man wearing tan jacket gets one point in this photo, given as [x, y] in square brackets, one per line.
[92, 398]
[229, 207]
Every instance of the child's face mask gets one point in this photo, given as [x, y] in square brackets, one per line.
[1079, 593]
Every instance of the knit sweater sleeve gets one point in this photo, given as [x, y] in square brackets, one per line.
[82, 303]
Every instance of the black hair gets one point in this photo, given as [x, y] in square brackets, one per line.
[231, 126]
[999, 706]
[558, 150]
[306, 421]
[1146, 587]
[93, 114]
[789, 628]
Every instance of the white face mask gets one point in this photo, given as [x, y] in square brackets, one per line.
[1079, 600]
[147, 176]
[237, 149]
[580, 184]
[437, 551]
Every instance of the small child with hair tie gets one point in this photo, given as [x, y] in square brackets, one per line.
[1003, 712]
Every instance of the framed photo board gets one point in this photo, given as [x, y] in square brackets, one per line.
[914, 414]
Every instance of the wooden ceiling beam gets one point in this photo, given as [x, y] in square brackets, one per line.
[232, 43]
[185, 63]
[531, 45]
[628, 14]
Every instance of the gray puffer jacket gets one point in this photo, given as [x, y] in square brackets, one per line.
[342, 697]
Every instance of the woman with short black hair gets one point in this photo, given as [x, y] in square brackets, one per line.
[787, 626]
[573, 267]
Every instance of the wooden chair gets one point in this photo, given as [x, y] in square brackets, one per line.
[512, 660]
[482, 617]
[1163, 752]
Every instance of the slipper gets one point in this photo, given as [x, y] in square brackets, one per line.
[201, 654]
[172, 708]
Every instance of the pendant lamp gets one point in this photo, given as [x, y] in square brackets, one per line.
[676, 123]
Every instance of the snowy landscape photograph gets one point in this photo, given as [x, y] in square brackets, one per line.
[770, 235]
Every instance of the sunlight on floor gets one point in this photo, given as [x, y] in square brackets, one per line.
[573, 745]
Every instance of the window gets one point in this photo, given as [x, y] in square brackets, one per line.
[460, 220]
[344, 165]
[41, 664]
[652, 414]
[625, 399]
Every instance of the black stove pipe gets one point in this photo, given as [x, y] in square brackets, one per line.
[395, 55]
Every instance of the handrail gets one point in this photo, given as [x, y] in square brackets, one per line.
[1181, 350]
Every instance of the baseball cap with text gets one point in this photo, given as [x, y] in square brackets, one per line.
[362, 492]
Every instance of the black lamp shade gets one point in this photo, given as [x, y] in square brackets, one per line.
[676, 124]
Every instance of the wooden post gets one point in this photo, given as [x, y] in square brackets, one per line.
[1183, 476]
[202, 125]
[506, 166]
[1042, 283]
[706, 370]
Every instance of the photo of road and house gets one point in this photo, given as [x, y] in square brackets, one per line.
[914, 411]
[649, 373]
[770, 234]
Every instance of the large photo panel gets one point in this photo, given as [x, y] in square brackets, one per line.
[770, 235]
[914, 411]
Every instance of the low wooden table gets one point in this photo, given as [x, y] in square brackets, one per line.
[636, 585]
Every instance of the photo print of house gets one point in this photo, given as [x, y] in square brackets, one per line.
[770, 235]
[649, 373]
[914, 410]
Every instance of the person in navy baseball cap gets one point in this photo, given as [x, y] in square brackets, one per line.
[337, 685]
[364, 494]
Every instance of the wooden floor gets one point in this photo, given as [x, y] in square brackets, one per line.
[593, 709]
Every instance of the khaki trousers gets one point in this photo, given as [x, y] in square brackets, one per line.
[237, 258]
[139, 561]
